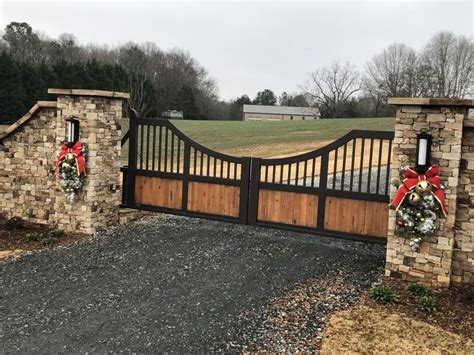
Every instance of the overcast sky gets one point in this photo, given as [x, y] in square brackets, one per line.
[250, 46]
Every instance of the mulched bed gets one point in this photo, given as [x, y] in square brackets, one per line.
[13, 241]
[294, 322]
[454, 313]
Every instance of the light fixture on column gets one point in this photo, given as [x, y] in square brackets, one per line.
[72, 130]
[423, 152]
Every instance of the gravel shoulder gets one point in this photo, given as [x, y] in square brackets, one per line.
[175, 285]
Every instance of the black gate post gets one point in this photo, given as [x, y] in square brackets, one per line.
[253, 194]
[186, 163]
[244, 190]
[323, 182]
[132, 158]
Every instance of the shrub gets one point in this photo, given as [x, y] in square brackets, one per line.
[415, 289]
[383, 294]
[49, 241]
[427, 303]
[57, 233]
[34, 237]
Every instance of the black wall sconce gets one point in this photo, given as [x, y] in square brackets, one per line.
[423, 152]
[72, 130]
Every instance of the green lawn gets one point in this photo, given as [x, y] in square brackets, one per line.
[230, 135]
[271, 138]
[237, 136]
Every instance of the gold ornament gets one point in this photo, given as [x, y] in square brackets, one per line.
[423, 187]
[414, 198]
[71, 158]
[66, 166]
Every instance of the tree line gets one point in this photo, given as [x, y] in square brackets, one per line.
[159, 80]
[444, 67]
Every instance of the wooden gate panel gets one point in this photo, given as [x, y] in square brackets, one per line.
[340, 189]
[356, 216]
[158, 192]
[287, 208]
[213, 199]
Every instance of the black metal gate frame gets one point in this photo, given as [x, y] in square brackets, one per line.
[249, 181]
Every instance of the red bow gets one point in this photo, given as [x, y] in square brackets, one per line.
[76, 149]
[410, 181]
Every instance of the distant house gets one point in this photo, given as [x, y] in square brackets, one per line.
[173, 114]
[279, 113]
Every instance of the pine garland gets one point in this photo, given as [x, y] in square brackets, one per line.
[417, 221]
[71, 181]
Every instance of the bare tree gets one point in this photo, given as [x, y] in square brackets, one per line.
[23, 42]
[142, 95]
[65, 48]
[333, 86]
[392, 72]
[448, 62]
[374, 95]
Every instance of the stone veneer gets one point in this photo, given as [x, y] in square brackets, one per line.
[463, 253]
[446, 257]
[28, 187]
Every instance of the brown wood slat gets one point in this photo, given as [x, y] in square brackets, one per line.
[159, 192]
[215, 199]
[287, 208]
[356, 216]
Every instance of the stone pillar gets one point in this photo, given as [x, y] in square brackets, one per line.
[100, 115]
[444, 120]
[463, 253]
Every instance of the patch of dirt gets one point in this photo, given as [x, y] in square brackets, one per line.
[279, 150]
[367, 330]
[401, 327]
[13, 242]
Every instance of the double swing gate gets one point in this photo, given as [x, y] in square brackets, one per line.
[339, 190]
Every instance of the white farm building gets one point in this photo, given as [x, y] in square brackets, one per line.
[279, 113]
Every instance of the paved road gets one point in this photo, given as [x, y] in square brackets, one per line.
[174, 284]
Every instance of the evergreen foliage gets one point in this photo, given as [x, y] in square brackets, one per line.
[24, 83]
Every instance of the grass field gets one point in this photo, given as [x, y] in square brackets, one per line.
[274, 138]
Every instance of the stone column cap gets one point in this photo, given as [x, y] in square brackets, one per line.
[84, 92]
[430, 101]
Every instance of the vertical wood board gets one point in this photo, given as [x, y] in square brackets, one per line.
[356, 216]
[285, 207]
[214, 199]
[159, 192]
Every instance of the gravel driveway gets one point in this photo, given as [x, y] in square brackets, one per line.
[172, 284]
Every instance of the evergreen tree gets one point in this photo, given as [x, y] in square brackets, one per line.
[12, 93]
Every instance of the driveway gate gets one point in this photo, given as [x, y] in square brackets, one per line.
[339, 190]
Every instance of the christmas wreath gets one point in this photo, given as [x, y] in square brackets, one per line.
[71, 165]
[418, 202]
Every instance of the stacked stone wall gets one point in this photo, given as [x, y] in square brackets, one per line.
[463, 252]
[26, 164]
